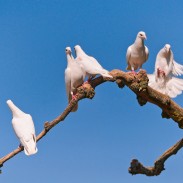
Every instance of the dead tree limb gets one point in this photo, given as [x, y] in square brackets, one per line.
[138, 83]
[137, 168]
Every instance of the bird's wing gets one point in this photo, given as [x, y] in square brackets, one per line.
[174, 87]
[177, 68]
[128, 56]
[68, 83]
[158, 84]
[25, 131]
[78, 75]
[171, 86]
[95, 62]
[152, 81]
[146, 53]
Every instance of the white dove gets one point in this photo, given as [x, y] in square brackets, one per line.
[137, 54]
[165, 67]
[89, 64]
[24, 129]
[74, 76]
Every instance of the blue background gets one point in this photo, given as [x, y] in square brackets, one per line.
[97, 143]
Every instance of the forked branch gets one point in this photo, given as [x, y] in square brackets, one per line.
[137, 168]
[138, 83]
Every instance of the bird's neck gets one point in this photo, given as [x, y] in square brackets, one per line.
[15, 110]
[166, 55]
[69, 59]
[139, 42]
[81, 53]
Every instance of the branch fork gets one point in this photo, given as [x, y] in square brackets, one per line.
[139, 85]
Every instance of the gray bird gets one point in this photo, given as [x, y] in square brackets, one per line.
[137, 54]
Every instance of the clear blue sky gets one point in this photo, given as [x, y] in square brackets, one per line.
[96, 144]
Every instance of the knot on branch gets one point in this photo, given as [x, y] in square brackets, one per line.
[165, 115]
[120, 83]
[180, 124]
[140, 81]
[141, 100]
[179, 118]
[85, 91]
[158, 167]
[47, 126]
[137, 168]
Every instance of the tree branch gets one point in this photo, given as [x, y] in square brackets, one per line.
[138, 83]
[137, 168]
[85, 91]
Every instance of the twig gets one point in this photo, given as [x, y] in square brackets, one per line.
[137, 83]
[138, 168]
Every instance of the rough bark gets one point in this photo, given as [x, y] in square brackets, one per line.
[137, 168]
[138, 83]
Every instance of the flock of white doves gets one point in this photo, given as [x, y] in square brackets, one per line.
[137, 54]
[83, 65]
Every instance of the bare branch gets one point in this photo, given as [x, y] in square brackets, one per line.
[85, 91]
[138, 83]
[137, 168]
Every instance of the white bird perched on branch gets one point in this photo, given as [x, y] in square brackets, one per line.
[74, 76]
[24, 129]
[137, 54]
[89, 64]
[165, 67]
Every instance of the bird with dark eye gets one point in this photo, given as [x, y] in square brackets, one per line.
[66, 50]
[141, 35]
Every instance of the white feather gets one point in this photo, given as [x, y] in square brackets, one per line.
[137, 53]
[177, 68]
[90, 64]
[24, 129]
[74, 76]
[165, 67]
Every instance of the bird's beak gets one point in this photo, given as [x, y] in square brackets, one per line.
[145, 37]
[69, 52]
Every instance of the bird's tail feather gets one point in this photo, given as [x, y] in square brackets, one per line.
[128, 68]
[105, 73]
[29, 145]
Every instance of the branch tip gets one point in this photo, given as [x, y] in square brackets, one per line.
[139, 85]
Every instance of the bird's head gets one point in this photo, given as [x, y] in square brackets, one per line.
[142, 35]
[77, 48]
[68, 50]
[167, 47]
